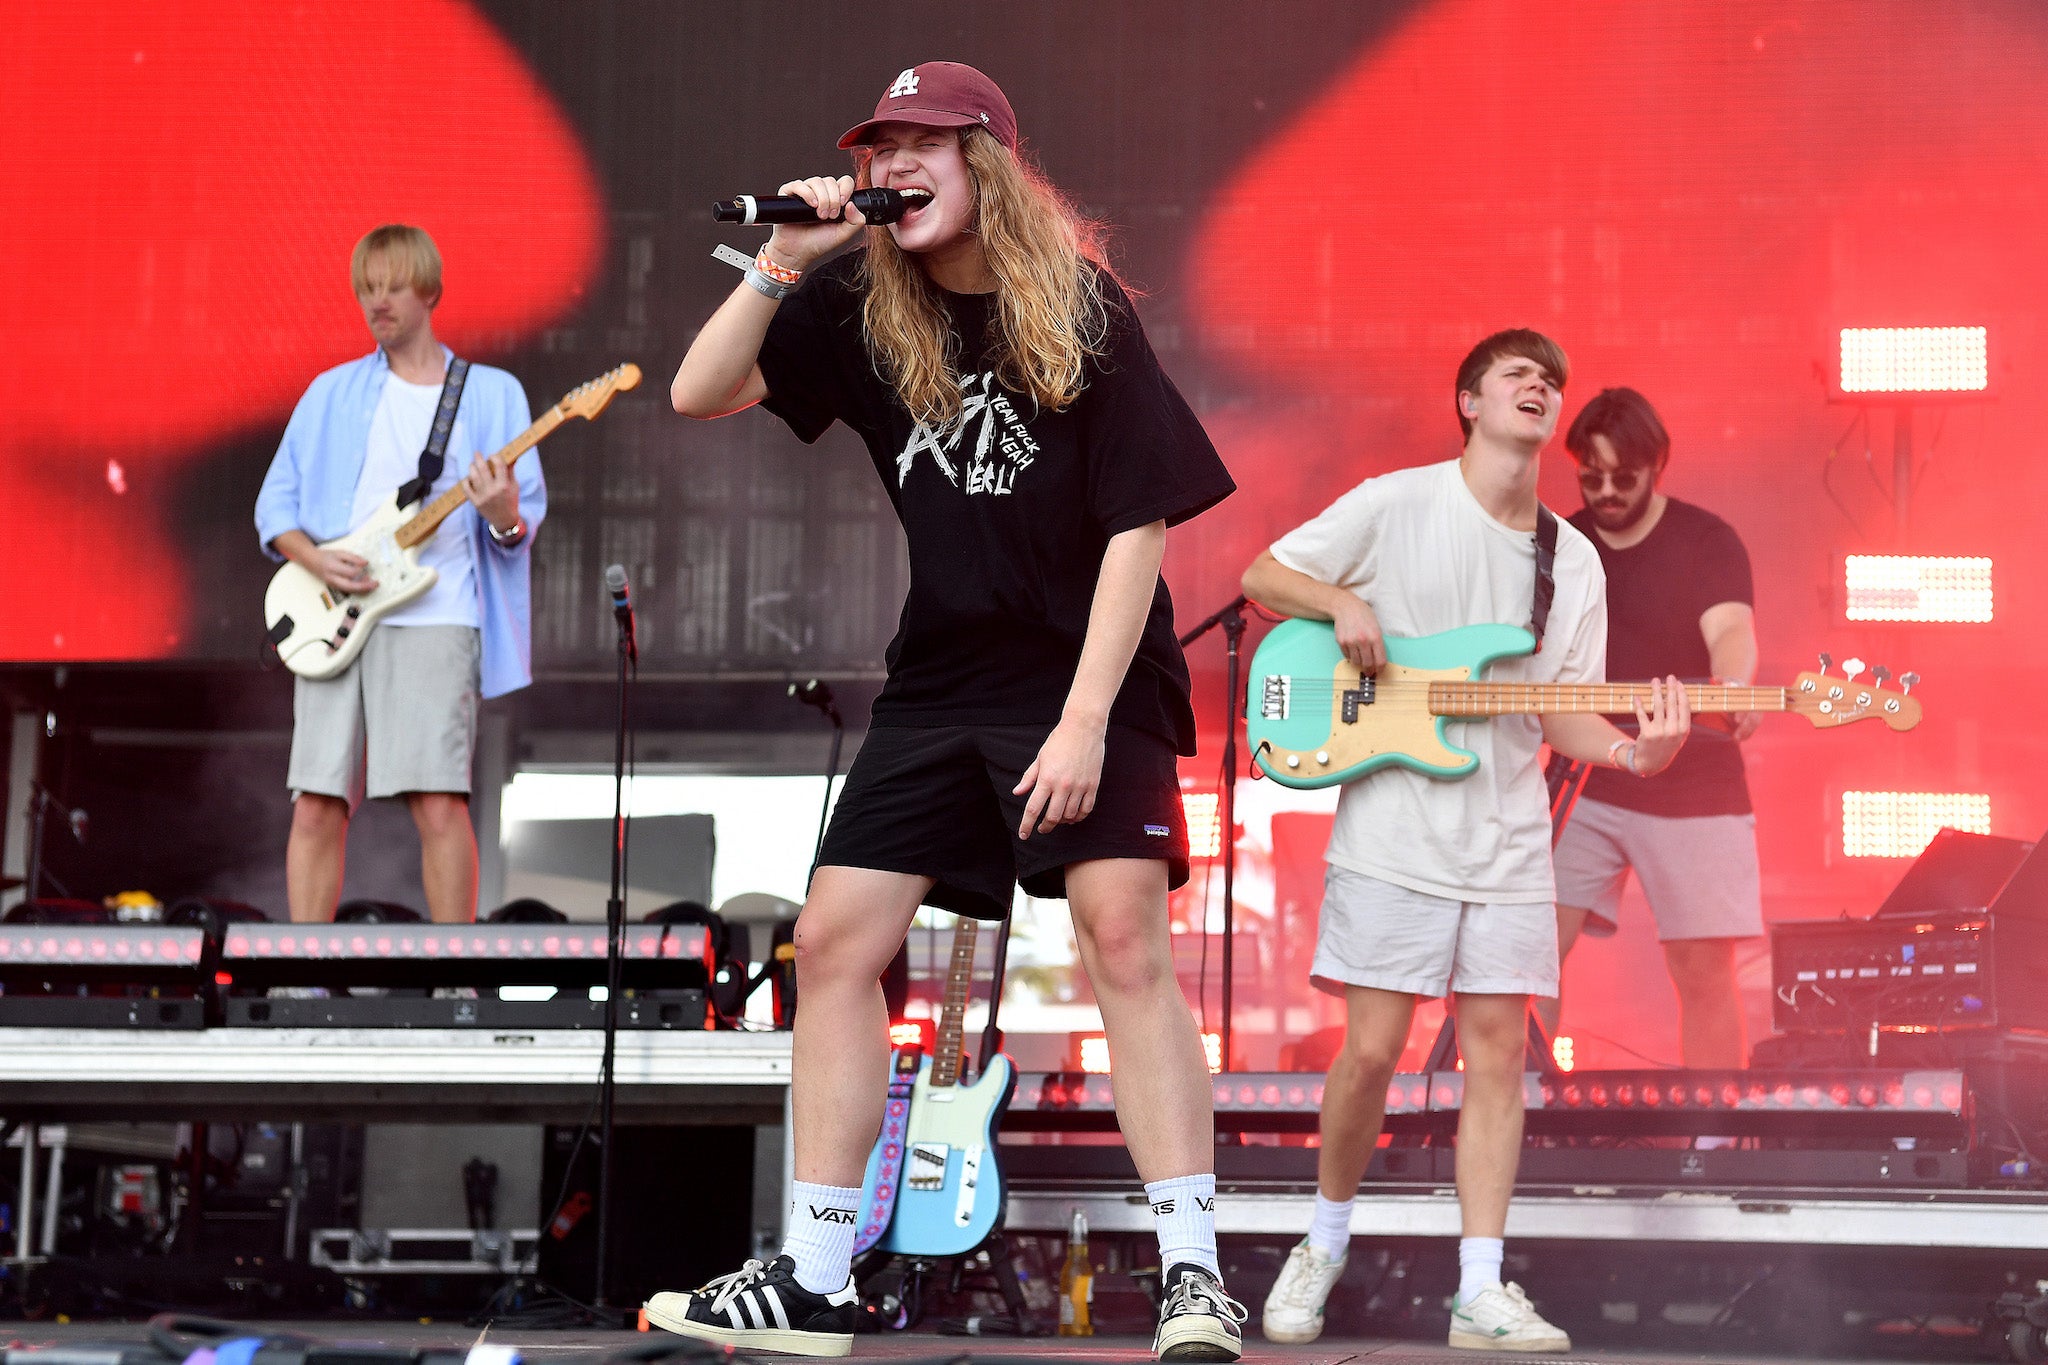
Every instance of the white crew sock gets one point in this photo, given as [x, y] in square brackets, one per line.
[1329, 1236]
[822, 1219]
[1479, 1261]
[1184, 1213]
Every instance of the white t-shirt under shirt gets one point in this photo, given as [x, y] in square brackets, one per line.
[1426, 557]
[398, 433]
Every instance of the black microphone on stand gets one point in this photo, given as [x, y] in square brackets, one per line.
[876, 205]
[622, 608]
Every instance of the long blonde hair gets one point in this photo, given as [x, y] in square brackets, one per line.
[1051, 314]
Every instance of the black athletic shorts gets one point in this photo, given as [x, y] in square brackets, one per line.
[936, 802]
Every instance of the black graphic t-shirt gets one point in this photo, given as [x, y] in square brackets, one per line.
[1007, 511]
[1656, 593]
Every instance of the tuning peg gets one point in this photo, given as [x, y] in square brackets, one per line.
[1908, 681]
[1881, 675]
[1827, 661]
[1851, 666]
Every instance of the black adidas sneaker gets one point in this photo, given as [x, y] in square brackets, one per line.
[763, 1308]
[1197, 1320]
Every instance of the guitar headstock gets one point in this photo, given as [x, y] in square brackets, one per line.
[589, 399]
[1829, 701]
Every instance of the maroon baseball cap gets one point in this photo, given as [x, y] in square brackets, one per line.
[940, 95]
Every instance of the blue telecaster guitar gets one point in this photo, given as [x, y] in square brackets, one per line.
[948, 1186]
[1313, 721]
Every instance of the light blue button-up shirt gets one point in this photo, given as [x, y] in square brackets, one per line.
[311, 487]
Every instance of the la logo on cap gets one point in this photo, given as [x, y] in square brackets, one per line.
[906, 83]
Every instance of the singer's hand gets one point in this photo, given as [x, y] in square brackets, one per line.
[799, 245]
[1062, 780]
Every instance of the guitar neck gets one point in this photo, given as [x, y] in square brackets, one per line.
[1605, 699]
[429, 518]
[946, 1045]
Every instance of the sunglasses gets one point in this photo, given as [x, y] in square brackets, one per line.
[1624, 479]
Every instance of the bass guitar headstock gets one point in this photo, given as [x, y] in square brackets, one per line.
[1830, 701]
[589, 399]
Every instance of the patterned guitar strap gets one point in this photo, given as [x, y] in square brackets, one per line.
[435, 456]
[1546, 565]
[889, 1171]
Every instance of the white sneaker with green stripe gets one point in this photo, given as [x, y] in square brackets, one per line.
[1501, 1318]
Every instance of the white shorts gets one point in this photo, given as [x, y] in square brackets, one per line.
[1699, 872]
[1374, 933]
[402, 718]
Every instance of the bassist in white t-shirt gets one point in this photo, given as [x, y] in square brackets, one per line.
[1444, 887]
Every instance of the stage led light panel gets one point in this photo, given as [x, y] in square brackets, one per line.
[1205, 824]
[1917, 588]
[1914, 360]
[1900, 824]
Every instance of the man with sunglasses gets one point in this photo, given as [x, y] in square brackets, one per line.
[1679, 602]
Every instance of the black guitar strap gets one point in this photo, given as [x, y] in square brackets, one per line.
[1546, 572]
[435, 456]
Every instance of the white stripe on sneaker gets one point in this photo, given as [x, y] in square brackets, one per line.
[732, 1313]
[752, 1304]
[775, 1302]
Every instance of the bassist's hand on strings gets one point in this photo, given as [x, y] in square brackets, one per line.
[1661, 730]
[1358, 633]
[493, 492]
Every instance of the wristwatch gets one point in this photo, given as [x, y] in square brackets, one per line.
[507, 539]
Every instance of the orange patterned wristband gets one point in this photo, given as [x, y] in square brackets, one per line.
[781, 274]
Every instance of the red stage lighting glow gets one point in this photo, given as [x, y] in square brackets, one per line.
[202, 170]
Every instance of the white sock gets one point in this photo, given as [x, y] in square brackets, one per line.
[1479, 1261]
[1329, 1236]
[1184, 1213]
[821, 1226]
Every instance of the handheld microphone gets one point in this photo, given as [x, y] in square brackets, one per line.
[876, 205]
[622, 605]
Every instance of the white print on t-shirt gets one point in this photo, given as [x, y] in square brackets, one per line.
[1001, 450]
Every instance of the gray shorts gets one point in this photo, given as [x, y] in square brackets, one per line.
[1699, 872]
[401, 719]
[1374, 933]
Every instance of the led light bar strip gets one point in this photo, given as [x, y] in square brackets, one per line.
[1913, 360]
[1900, 824]
[97, 947]
[480, 942]
[1205, 824]
[1917, 588]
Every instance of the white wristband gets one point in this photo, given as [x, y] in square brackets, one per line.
[1619, 745]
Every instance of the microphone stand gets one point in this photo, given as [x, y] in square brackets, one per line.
[40, 801]
[1231, 618]
[614, 967]
[814, 692]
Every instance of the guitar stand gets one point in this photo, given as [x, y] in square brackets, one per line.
[915, 1272]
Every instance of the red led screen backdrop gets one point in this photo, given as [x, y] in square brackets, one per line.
[185, 184]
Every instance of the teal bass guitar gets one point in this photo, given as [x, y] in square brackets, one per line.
[1314, 721]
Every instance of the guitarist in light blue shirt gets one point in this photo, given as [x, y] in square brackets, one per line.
[401, 721]
[1441, 888]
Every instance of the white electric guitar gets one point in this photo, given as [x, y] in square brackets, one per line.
[317, 631]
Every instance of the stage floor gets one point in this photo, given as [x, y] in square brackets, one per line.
[564, 1347]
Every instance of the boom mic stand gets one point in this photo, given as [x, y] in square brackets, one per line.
[1231, 619]
[615, 939]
